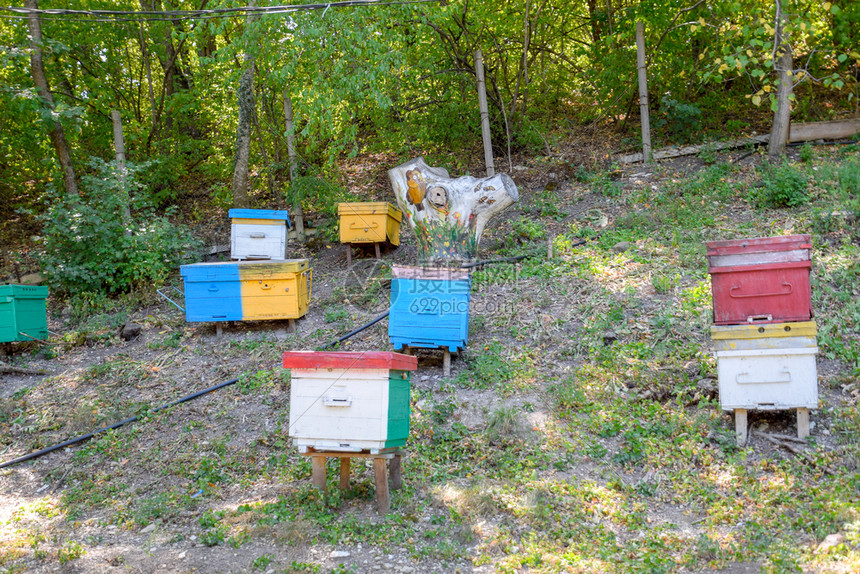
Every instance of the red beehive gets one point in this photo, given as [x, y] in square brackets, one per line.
[761, 280]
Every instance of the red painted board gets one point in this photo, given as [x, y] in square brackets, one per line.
[759, 245]
[771, 293]
[349, 360]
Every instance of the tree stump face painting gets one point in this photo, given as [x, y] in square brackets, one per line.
[448, 214]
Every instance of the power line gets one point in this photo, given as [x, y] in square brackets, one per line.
[173, 15]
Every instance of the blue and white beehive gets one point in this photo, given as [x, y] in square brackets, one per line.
[258, 234]
[429, 308]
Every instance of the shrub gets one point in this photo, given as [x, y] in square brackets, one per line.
[781, 186]
[681, 120]
[91, 246]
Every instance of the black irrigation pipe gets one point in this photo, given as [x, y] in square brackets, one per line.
[356, 331]
[801, 144]
[84, 437]
[193, 396]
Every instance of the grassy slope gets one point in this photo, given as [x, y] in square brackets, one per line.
[581, 432]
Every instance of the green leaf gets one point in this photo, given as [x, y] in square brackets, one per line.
[842, 57]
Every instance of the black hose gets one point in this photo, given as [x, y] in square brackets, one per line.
[356, 331]
[84, 437]
[488, 261]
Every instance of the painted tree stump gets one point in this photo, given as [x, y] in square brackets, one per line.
[449, 214]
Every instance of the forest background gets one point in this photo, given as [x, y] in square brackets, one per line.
[204, 99]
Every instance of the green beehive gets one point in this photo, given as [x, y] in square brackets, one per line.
[23, 315]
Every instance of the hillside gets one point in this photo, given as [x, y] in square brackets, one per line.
[580, 432]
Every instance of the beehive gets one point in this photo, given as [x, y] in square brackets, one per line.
[767, 367]
[258, 234]
[761, 280]
[247, 290]
[429, 308]
[349, 401]
[371, 222]
[23, 313]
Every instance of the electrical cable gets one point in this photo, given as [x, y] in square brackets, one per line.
[174, 15]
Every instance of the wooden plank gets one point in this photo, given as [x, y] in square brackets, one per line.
[741, 426]
[344, 472]
[381, 480]
[837, 129]
[219, 248]
[802, 422]
[318, 472]
[394, 473]
[669, 152]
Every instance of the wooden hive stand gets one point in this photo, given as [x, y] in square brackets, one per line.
[742, 432]
[391, 457]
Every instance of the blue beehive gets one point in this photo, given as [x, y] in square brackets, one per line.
[429, 308]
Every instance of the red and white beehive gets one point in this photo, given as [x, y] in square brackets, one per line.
[764, 280]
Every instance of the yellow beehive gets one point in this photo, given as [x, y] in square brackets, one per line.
[275, 290]
[372, 222]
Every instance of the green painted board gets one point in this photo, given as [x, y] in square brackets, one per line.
[399, 392]
[23, 314]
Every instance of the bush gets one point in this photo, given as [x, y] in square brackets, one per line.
[781, 186]
[90, 246]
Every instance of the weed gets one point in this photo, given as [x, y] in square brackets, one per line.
[529, 229]
[262, 562]
[70, 550]
[807, 152]
[782, 185]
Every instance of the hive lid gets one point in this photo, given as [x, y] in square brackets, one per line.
[258, 214]
[23, 291]
[349, 360]
[759, 245]
[798, 329]
[369, 208]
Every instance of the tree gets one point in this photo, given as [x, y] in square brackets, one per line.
[37, 68]
[246, 115]
[783, 68]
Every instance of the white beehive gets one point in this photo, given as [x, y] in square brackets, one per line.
[348, 402]
[258, 234]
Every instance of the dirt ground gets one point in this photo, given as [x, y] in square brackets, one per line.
[170, 359]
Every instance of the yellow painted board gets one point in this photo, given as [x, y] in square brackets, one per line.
[793, 329]
[371, 222]
[271, 269]
[284, 297]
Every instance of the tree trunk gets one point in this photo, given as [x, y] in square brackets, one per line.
[243, 132]
[784, 62]
[594, 19]
[298, 213]
[37, 68]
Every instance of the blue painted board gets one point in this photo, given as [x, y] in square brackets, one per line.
[259, 214]
[429, 313]
[212, 292]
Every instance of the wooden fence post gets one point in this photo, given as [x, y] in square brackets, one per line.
[485, 115]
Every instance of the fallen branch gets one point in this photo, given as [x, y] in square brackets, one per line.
[7, 368]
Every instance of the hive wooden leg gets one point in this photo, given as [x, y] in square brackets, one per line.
[394, 473]
[318, 472]
[741, 426]
[291, 325]
[381, 480]
[406, 350]
[348, 254]
[218, 330]
[376, 248]
[344, 472]
[802, 422]
[446, 363]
